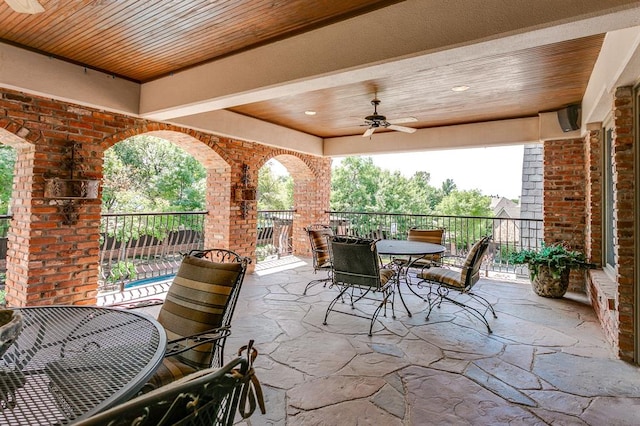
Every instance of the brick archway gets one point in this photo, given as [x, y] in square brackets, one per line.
[311, 191]
[57, 263]
[206, 151]
[21, 209]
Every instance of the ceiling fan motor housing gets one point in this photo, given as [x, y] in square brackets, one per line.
[375, 118]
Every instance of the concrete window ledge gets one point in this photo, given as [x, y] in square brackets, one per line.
[603, 293]
[606, 289]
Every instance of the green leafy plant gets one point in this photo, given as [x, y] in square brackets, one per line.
[557, 257]
[2, 298]
[122, 271]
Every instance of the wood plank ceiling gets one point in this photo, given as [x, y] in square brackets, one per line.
[145, 40]
[520, 84]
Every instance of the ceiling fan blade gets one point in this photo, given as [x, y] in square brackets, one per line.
[25, 6]
[369, 132]
[402, 120]
[401, 128]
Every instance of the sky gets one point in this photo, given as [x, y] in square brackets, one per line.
[492, 170]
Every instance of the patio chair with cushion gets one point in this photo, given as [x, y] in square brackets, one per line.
[318, 235]
[443, 281]
[197, 312]
[358, 276]
[207, 397]
[435, 236]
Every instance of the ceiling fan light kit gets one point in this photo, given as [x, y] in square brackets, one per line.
[25, 6]
[376, 121]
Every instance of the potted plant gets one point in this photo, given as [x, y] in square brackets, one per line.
[549, 267]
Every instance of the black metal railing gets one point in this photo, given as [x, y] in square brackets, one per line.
[461, 232]
[274, 234]
[141, 246]
[135, 247]
[4, 228]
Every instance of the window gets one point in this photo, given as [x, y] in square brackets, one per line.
[607, 214]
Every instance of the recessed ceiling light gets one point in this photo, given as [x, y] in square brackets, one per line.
[460, 88]
[310, 112]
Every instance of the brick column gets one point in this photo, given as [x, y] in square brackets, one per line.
[594, 193]
[564, 195]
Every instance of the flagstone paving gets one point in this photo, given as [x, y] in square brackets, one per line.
[547, 361]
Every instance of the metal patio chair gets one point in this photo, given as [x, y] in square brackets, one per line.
[357, 275]
[443, 283]
[208, 397]
[318, 238]
[197, 312]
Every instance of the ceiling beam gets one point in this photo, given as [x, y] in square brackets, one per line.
[431, 37]
[492, 133]
[42, 75]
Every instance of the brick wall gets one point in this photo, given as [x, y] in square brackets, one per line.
[564, 195]
[53, 263]
[613, 299]
[624, 203]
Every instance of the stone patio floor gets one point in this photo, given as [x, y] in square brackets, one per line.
[547, 361]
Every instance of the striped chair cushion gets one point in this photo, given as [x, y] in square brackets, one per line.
[446, 276]
[169, 371]
[386, 275]
[434, 236]
[457, 278]
[196, 302]
[320, 246]
[468, 263]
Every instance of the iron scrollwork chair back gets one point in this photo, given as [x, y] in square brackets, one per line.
[207, 397]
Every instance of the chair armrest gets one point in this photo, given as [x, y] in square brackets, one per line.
[183, 344]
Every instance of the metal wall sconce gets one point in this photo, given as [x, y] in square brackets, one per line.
[68, 192]
[245, 194]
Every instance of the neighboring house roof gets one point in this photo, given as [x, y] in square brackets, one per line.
[504, 207]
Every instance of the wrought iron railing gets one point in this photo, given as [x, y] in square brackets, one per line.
[4, 228]
[140, 246]
[274, 234]
[461, 232]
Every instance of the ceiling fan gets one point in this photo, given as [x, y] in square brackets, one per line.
[376, 121]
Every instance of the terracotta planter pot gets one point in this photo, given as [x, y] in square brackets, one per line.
[546, 285]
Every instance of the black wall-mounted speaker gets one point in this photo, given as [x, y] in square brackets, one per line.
[569, 118]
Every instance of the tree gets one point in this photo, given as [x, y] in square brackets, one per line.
[146, 173]
[7, 164]
[359, 185]
[354, 185]
[426, 197]
[274, 192]
[448, 186]
[467, 203]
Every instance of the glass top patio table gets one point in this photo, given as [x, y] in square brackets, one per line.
[415, 250]
[407, 248]
[70, 362]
